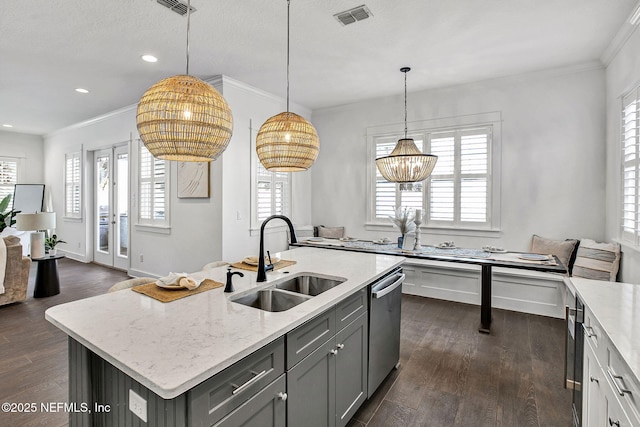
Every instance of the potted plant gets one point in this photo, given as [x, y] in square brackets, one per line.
[403, 220]
[7, 217]
[50, 244]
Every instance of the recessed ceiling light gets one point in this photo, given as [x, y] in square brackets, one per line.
[7, 125]
[81, 90]
[149, 58]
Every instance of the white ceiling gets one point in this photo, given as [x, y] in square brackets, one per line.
[49, 48]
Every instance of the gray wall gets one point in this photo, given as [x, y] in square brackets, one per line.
[553, 128]
[30, 149]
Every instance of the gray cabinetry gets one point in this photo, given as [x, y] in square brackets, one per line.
[328, 385]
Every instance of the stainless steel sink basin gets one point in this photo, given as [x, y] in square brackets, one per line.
[310, 285]
[272, 299]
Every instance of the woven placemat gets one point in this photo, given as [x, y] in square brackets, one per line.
[276, 266]
[168, 295]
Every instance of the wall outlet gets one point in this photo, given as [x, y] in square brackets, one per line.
[138, 405]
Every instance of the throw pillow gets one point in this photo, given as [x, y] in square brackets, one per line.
[330, 232]
[599, 261]
[563, 249]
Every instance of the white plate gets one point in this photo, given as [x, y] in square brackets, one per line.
[445, 247]
[348, 239]
[494, 250]
[534, 257]
[172, 287]
[253, 260]
[315, 239]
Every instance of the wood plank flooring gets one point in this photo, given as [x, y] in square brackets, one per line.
[450, 375]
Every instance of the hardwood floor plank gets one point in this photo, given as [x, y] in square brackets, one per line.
[391, 414]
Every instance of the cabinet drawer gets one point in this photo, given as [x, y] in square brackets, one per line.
[303, 340]
[216, 397]
[624, 384]
[594, 335]
[350, 309]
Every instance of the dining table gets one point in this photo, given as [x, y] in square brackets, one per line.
[486, 258]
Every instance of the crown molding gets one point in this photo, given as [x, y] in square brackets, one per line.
[629, 26]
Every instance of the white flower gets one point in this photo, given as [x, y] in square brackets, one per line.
[403, 220]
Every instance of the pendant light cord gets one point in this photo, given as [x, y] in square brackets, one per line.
[188, 29]
[405, 104]
[288, 26]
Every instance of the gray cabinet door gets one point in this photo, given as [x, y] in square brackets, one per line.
[311, 389]
[265, 409]
[351, 369]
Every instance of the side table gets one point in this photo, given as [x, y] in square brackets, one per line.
[47, 280]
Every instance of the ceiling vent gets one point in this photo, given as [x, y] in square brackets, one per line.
[352, 15]
[177, 6]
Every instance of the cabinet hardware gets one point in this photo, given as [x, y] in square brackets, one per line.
[594, 380]
[614, 423]
[334, 351]
[282, 396]
[257, 376]
[340, 346]
[621, 391]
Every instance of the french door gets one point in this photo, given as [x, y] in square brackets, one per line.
[111, 207]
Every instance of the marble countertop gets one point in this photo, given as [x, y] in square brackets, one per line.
[616, 306]
[171, 347]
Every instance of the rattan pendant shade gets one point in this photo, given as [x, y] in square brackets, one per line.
[185, 119]
[287, 143]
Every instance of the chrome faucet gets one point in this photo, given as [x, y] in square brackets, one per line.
[262, 269]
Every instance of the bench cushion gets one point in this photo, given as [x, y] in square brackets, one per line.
[598, 261]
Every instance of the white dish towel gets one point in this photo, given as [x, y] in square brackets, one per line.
[183, 280]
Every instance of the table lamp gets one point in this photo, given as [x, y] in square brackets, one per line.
[37, 223]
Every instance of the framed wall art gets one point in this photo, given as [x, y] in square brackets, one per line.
[193, 180]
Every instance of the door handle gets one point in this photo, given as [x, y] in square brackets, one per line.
[621, 391]
[386, 290]
[239, 388]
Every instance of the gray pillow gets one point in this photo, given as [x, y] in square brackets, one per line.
[330, 232]
[598, 261]
[560, 248]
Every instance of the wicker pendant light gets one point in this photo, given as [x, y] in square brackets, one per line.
[184, 118]
[287, 142]
[406, 164]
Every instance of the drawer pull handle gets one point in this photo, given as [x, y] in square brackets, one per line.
[333, 351]
[239, 388]
[589, 331]
[614, 423]
[340, 346]
[621, 391]
[594, 380]
[282, 396]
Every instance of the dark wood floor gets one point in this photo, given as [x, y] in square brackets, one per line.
[450, 375]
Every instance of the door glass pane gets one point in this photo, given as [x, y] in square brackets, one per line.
[122, 214]
[102, 197]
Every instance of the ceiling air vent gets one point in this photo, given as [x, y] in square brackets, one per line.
[352, 15]
[177, 6]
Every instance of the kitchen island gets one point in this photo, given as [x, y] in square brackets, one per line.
[164, 350]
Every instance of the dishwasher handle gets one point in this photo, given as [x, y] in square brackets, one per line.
[383, 288]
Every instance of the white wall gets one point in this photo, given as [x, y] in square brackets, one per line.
[623, 74]
[27, 147]
[553, 128]
[202, 230]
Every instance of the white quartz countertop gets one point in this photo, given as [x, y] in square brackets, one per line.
[171, 347]
[616, 306]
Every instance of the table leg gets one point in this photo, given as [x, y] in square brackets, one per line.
[485, 301]
[47, 279]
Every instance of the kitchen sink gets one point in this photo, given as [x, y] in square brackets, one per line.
[272, 299]
[310, 285]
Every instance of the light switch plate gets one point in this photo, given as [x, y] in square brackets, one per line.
[138, 405]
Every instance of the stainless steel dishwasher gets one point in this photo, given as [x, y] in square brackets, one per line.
[385, 303]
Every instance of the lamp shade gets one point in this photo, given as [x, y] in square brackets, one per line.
[287, 143]
[35, 221]
[185, 119]
[406, 163]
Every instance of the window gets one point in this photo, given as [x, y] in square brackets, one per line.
[8, 175]
[458, 192]
[153, 189]
[72, 185]
[272, 193]
[630, 167]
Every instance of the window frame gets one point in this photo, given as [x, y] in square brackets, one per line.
[73, 156]
[632, 236]
[152, 224]
[19, 168]
[423, 130]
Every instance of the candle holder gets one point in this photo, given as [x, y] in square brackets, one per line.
[417, 246]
